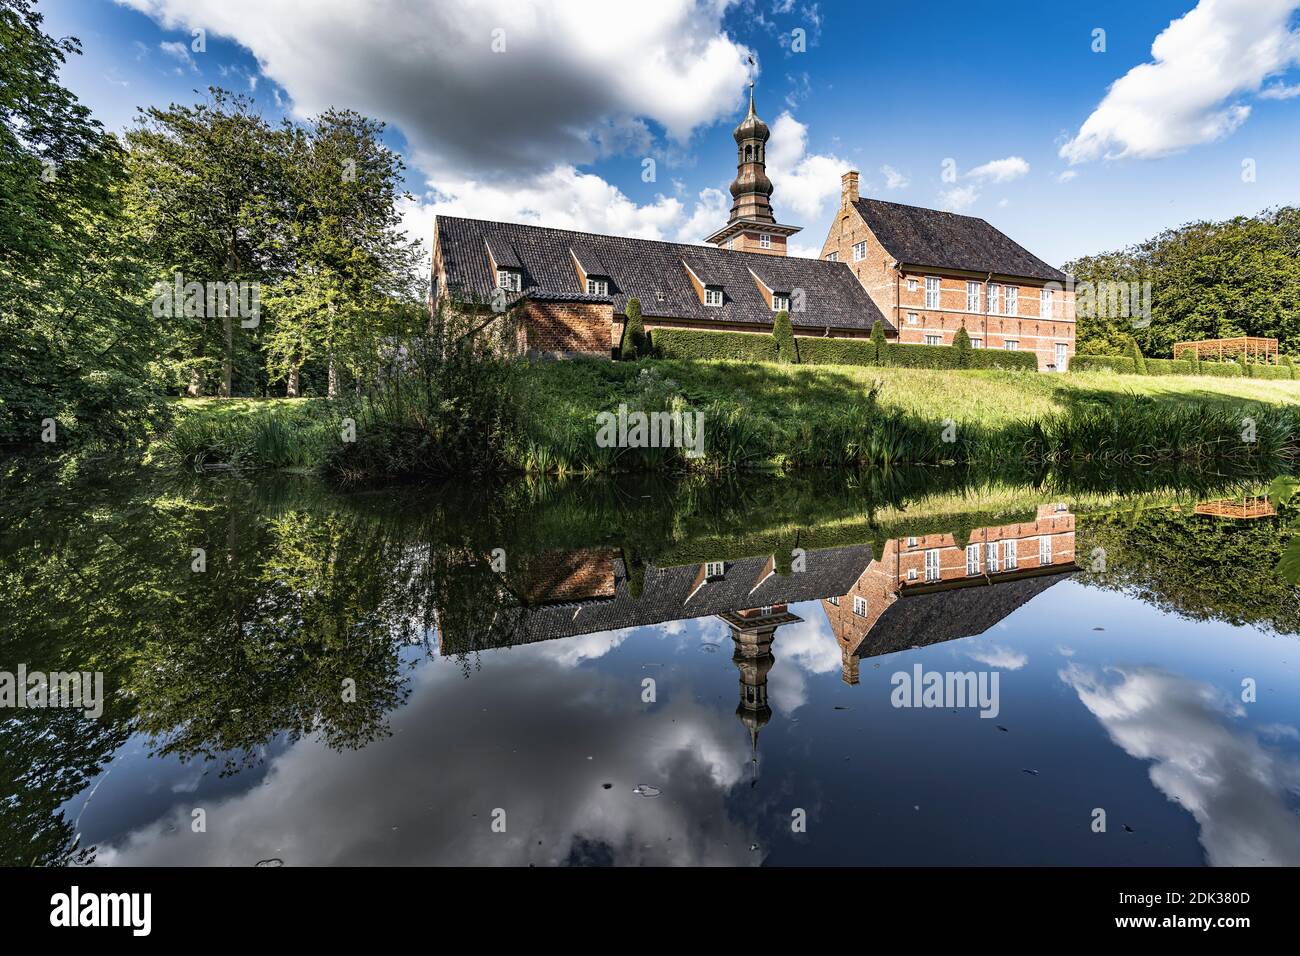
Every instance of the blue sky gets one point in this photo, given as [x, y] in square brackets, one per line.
[555, 126]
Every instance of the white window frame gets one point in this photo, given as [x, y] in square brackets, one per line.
[992, 557]
[765, 610]
[972, 297]
[509, 279]
[938, 339]
[780, 303]
[765, 240]
[598, 287]
[834, 600]
[911, 285]
[859, 251]
[976, 343]
[713, 296]
[1012, 301]
[1047, 303]
[832, 257]
[913, 319]
[1045, 549]
[714, 569]
[995, 298]
[1011, 345]
[859, 606]
[972, 560]
[932, 564]
[1011, 554]
[932, 290]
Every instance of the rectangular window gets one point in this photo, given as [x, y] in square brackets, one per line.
[995, 298]
[509, 279]
[933, 339]
[931, 292]
[713, 569]
[913, 318]
[991, 557]
[911, 574]
[1045, 550]
[835, 601]
[765, 610]
[832, 257]
[1013, 300]
[1012, 554]
[859, 251]
[764, 241]
[932, 564]
[1011, 345]
[972, 559]
[977, 343]
[780, 303]
[972, 296]
[911, 285]
[1046, 303]
[598, 287]
[911, 542]
[712, 296]
[859, 606]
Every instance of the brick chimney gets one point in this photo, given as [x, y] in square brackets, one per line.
[848, 188]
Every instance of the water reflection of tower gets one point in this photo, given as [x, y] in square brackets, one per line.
[752, 632]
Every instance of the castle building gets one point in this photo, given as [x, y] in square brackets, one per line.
[921, 273]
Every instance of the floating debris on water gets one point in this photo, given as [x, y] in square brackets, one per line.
[644, 791]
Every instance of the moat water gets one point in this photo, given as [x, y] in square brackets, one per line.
[581, 673]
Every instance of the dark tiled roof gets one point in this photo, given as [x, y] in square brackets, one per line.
[652, 272]
[674, 594]
[928, 237]
[919, 620]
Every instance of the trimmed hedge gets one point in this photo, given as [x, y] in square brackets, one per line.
[1256, 370]
[703, 344]
[1157, 366]
[1221, 369]
[1100, 363]
[816, 350]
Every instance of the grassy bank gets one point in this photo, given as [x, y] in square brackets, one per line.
[773, 416]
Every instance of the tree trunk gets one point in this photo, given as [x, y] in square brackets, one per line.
[333, 391]
[228, 362]
[195, 388]
[291, 390]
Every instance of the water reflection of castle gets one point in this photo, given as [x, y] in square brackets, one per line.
[919, 591]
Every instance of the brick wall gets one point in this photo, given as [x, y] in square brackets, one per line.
[752, 242]
[903, 301]
[569, 328]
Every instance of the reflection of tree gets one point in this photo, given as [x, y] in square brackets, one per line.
[1196, 566]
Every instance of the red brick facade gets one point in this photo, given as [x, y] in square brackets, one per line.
[1044, 326]
[569, 328]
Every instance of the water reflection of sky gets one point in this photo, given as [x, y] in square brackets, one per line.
[1106, 702]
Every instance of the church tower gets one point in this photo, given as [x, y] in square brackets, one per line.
[752, 226]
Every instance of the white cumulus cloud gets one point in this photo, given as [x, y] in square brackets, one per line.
[1202, 64]
[1000, 170]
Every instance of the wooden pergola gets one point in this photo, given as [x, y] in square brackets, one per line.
[1249, 347]
[1243, 508]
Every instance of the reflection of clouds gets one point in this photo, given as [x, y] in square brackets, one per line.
[996, 655]
[808, 647]
[461, 748]
[572, 651]
[1235, 789]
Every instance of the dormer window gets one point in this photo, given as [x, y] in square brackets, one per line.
[713, 570]
[713, 296]
[780, 303]
[598, 287]
[764, 240]
[511, 280]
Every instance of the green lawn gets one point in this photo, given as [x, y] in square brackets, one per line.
[561, 389]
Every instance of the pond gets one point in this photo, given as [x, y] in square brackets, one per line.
[901, 668]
